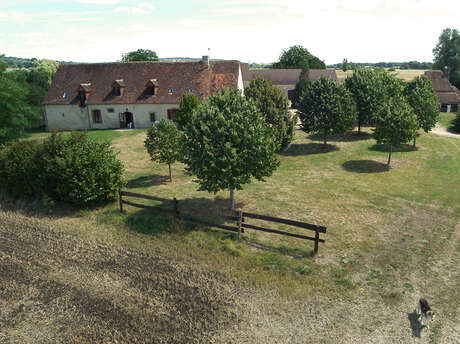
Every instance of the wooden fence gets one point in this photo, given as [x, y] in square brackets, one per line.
[240, 217]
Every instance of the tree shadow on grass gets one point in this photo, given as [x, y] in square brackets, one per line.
[347, 137]
[399, 148]
[365, 166]
[415, 324]
[149, 221]
[297, 149]
[147, 181]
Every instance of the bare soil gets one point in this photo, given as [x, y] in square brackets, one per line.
[440, 130]
[58, 287]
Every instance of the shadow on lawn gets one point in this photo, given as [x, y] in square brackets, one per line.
[347, 137]
[147, 181]
[297, 149]
[398, 148]
[415, 324]
[365, 166]
[152, 222]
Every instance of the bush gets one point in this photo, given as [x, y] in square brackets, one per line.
[456, 122]
[19, 166]
[75, 170]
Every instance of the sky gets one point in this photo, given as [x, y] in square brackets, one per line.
[249, 31]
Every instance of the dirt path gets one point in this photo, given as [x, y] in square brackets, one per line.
[440, 130]
[57, 287]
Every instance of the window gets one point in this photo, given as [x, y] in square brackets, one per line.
[82, 98]
[65, 95]
[110, 110]
[171, 91]
[151, 91]
[190, 90]
[116, 91]
[152, 117]
[171, 114]
[97, 117]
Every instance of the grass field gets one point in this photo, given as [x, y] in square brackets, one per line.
[445, 119]
[393, 236]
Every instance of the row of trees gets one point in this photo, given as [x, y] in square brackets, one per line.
[369, 97]
[348, 65]
[228, 139]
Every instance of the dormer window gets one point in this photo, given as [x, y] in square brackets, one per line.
[151, 87]
[83, 93]
[190, 90]
[171, 91]
[65, 95]
[118, 88]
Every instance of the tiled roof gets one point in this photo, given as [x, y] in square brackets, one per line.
[446, 93]
[134, 76]
[288, 76]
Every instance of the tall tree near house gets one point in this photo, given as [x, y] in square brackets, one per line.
[299, 57]
[365, 86]
[422, 98]
[140, 55]
[227, 142]
[188, 104]
[395, 120]
[299, 89]
[163, 143]
[447, 55]
[327, 107]
[274, 107]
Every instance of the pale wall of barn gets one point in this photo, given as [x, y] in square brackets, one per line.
[68, 117]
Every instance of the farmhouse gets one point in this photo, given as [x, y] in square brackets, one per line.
[285, 79]
[448, 95]
[131, 94]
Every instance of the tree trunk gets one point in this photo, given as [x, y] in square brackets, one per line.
[325, 136]
[389, 156]
[170, 174]
[359, 127]
[415, 138]
[232, 199]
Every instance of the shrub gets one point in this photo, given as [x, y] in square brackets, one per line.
[456, 122]
[75, 169]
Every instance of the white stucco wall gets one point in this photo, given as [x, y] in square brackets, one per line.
[68, 117]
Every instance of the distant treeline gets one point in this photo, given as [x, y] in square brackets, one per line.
[19, 62]
[395, 65]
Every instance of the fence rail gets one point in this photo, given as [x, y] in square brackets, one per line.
[239, 216]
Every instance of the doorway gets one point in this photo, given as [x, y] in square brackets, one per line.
[126, 120]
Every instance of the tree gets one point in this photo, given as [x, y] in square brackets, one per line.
[227, 143]
[140, 55]
[345, 65]
[299, 89]
[163, 143]
[422, 98]
[366, 86]
[14, 110]
[327, 107]
[299, 57]
[456, 122]
[395, 120]
[274, 108]
[188, 104]
[447, 55]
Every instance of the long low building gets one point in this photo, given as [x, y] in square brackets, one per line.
[130, 94]
[448, 95]
[285, 79]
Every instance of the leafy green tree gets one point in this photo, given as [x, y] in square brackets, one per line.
[345, 66]
[140, 55]
[299, 89]
[367, 88]
[327, 107]
[14, 109]
[274, 107]
[227, 143]
[395, 121]
[447, 54]
[163, 143]
[188, 104]
[299, 57]
[422, 98]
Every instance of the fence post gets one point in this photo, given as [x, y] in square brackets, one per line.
[240, 222]
[121, 200]
[176, 207]
[316, 240]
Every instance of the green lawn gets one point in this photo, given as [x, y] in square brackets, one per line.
[446, 118]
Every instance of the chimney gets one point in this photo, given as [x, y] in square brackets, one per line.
[205, 59]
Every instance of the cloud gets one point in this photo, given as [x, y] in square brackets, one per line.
[98, 2]
[142, 8]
